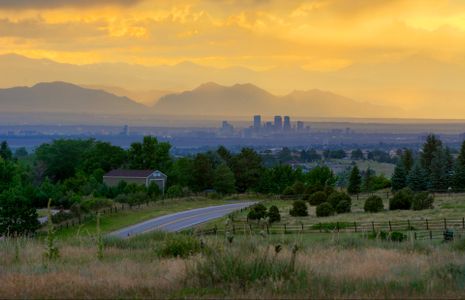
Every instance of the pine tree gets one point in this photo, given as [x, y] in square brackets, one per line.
[407, 159]
[458, 177]
[417, 179]
[439, 175]
[399, 178]
[355, 181]
[367, 185]
[431, 145]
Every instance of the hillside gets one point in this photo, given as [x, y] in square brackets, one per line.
[65, 97]
[248, 99]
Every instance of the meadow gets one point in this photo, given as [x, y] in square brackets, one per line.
[252, 266]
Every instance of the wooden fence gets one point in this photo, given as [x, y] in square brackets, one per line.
[420, 229]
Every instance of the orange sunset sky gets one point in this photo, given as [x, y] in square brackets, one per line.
[408, 54]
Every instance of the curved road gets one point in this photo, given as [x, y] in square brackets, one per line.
[181, 220]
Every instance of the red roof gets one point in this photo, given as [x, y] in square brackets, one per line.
[129, 173]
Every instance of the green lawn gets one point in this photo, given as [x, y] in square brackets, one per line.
[115, 221]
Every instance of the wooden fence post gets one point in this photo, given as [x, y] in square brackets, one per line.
[409, 227]
[267, 229]
[337, 226]
[427, 225]
[373, 226]
[390, 227]
[445, 224]
[463, 223]
[302, 226]
[285, 229]
[234, 229]
[355, 226]
[415, 235]
[430, 234]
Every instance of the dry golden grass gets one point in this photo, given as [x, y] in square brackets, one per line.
[332, 268]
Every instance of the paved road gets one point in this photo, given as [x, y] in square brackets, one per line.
[182, 220]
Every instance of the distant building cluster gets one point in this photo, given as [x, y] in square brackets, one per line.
[278, 125]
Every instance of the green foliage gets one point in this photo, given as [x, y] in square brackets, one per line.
[247, 168]
[179, 246]
[257, 211]
[99, 238]
[357, 154]
[273, 214]
[298, 188]
[343, 207]
[399, 178]
[150, 154]
[417, 179]
[17, 214]
[407, 160]
[153, 191]
[321, 175]
[401, 200]
[355, 181]
[202, 173]
[5, 151]
[373, 204]
[394, 236]
[336, 197]
[432, 145]
[318, 198]
[224, 181]
[299, 209]
[174, 191]
[325, 209]
[422, 200]
[94, 204]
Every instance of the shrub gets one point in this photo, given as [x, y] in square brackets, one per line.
[373, 204]
[343, 207]
[179, 246]
[401, 200]
[299, 209]
[174, 191]
[95, 204]
[298, 188]
[273, 214]
[258, 211]
[394, 236]
[337, 197]
[317, 198]
[422, 200]
[62, 216]
[324, 210]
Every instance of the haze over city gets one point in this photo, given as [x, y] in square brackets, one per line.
[400, 59]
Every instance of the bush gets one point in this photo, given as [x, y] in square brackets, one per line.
[337, 197]
[273, 214]
[317, 198]
[422, 200]
[394, 236]
[324, 210]
[373, 204]
[258, 211]
[401, 200]
[179, 246]
[174, 191]
[343, 207]
[299, 209]
[298, 188]
[95, 204]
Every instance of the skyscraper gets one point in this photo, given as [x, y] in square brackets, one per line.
[278, 122]
[257, 122]
[300, 126]
[287, 123]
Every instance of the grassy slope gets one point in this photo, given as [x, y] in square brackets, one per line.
[128, 217]
[445, 206]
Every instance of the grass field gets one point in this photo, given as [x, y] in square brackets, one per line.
[323, 266]
[445, 206]
[127, 217]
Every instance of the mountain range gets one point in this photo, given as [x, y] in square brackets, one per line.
[209, 99]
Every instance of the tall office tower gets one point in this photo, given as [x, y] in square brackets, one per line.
[125, 130]
[300, 126]
[287, 123]
[278, 123]
[257, 122]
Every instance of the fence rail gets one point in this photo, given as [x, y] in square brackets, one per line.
[421, 229]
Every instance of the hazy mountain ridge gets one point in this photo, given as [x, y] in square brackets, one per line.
[64, 97]
[248, 99]
[208, 99]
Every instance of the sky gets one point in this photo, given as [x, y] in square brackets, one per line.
[318, 35]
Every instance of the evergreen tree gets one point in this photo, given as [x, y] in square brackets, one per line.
[368, 177]
[5, 151]
[407, 159]
[17, 214]
[355, 181]
[458, 179]
[439, 177]
[399, 178]
[431, 145]
[417, 179]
